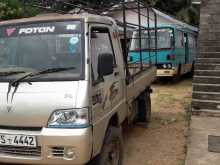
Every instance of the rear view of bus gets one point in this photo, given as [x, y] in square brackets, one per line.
[173, 52]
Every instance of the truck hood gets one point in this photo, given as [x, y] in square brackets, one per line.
[33, 104]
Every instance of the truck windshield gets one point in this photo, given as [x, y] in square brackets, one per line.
[35, 47]
[164, 39]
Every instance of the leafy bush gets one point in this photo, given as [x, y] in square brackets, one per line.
[182, 9]
[10, 9]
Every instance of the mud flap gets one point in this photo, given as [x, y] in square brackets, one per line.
[142, 107]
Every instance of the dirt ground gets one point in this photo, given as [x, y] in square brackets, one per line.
[164, 141]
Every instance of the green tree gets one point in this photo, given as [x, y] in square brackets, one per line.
[190, 15]
[182, 9]
[10, 9]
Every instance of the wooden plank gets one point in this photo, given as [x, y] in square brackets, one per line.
[206, 80]
[198, 104]
[207, 73]
[205, 88]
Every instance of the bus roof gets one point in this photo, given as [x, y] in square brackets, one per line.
[173, 26]
[60, 17]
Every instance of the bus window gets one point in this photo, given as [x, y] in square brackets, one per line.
[164, 39]
[180, 40]
[191, 41]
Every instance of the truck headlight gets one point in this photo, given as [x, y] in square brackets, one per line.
[70, 118]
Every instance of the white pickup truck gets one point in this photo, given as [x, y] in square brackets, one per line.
[64, 91]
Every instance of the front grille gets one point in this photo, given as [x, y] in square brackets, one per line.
[21, 128]
[20, 151]
[57, 151]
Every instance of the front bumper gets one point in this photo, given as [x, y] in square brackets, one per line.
[79, 140]
[166, 72]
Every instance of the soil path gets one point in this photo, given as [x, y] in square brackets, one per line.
[164, 142]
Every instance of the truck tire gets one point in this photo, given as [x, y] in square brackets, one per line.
[112, 149]
[144, 106]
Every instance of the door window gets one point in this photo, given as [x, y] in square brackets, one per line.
[192, 42]
[180, 40]
[100, 43]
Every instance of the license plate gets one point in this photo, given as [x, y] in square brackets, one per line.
[18, 140]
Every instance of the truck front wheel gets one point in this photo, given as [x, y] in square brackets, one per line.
[112, 149]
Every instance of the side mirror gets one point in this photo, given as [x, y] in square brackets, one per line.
[105, 64]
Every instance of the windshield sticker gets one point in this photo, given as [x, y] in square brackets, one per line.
[74, 41]
[35, 30]
[71, 27]
[10, 31]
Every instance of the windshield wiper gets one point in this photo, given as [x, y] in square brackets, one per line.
[11, 73]
[46, 71]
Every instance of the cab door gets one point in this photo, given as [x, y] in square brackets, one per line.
[106, 90]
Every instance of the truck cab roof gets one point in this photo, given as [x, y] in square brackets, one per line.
[60, 17]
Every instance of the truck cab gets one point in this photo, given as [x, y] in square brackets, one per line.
[63, 90]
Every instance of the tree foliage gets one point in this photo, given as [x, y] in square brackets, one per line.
[182, 9]
[10, 9]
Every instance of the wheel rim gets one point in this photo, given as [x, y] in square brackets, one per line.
[113, 153]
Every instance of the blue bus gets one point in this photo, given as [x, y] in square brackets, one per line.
[175, 51]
